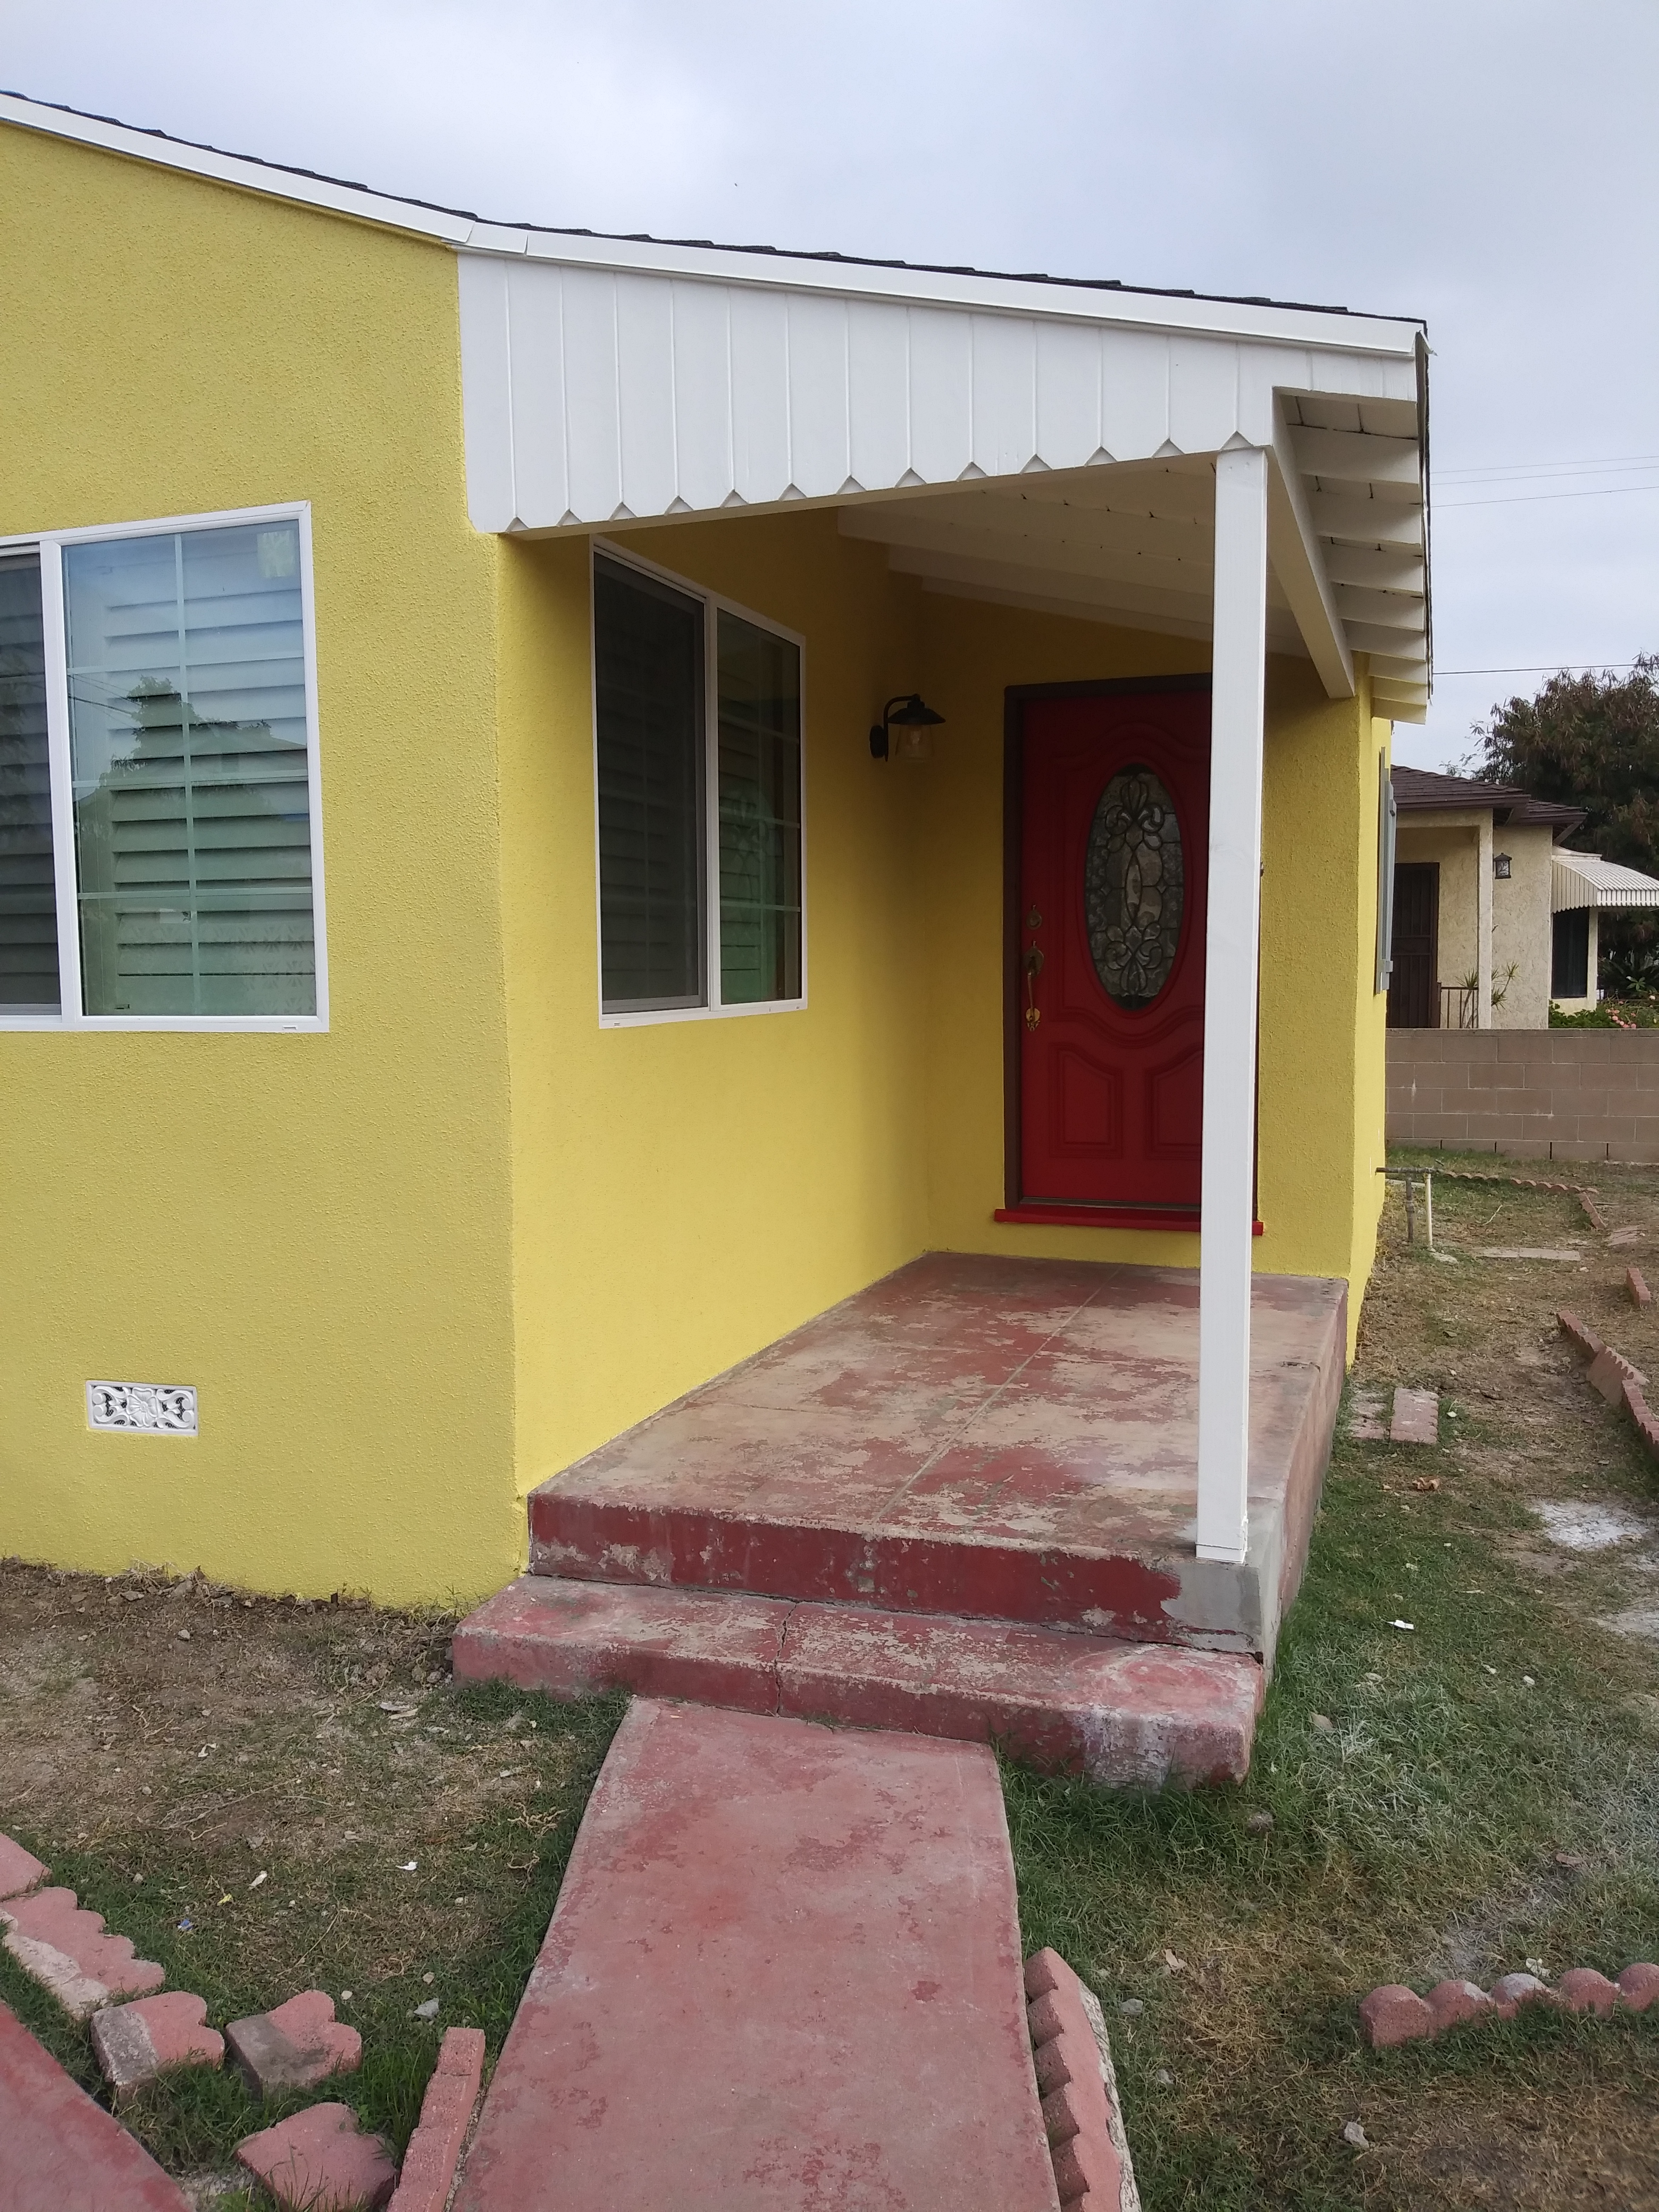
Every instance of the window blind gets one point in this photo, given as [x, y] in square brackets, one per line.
[648, 670]
[188, 746]
[759, 735]
[29, 906]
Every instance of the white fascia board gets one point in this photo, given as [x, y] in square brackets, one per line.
[1328, 329]
[232, 169]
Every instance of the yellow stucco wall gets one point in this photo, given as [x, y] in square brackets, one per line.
[686, 1190]
[1521, 937]
[313, 1230]
[415, 1265]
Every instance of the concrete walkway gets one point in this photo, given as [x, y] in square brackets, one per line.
[784, 1973]
[60, 2152]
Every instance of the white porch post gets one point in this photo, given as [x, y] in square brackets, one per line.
[1230, 1002]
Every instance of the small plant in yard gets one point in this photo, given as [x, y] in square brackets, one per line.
[1473, 1794]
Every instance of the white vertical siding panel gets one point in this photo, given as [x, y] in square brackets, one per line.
[1261, 369]
[760, 393]
[486, 385]
[1005, 393]
[703, 394]
[535, 301]
[1203, 393]
[1135, 401]
[819, 458]
[645, 380]
[877, 371]
[1068, 394]
[941, 394]
[590, 384]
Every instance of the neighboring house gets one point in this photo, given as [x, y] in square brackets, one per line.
[1472, 900]
[1581, 886]
[1493, 919]
[546, 588]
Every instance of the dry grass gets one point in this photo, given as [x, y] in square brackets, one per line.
[1454, 1819]
[240, 1785]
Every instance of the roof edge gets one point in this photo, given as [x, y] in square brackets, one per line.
[1327, 328]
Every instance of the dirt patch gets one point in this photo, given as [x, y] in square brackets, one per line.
[270, 1795]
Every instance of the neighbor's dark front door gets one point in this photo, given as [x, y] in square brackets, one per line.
[1115, 835]
[1414, 982]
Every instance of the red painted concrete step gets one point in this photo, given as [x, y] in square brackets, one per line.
[783, 1976]
[1013, 1440]
[60, 2152]
[1128, 1715]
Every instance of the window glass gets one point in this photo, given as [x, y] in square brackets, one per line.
[29, 906]
[760, 904]
[188, 759]
[648, 667]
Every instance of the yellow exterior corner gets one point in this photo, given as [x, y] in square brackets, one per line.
[418, 1264]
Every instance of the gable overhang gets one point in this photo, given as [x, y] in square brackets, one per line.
[1050, 446]
[1043, 442]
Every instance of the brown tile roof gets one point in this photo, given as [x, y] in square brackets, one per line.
[1417, 790]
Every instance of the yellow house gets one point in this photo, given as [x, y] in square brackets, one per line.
[560, 795]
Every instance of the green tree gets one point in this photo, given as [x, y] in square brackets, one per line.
[1589, 741]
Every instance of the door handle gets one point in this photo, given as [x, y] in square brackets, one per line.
[1033, 969]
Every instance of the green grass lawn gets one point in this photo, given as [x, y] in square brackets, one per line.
[1483, 1798]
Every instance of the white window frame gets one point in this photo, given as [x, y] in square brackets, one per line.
[715, 603]
[50, 544]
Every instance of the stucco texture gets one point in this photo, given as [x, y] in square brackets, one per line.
[313, 1230]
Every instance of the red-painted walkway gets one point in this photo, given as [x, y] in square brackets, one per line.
[59, 2152]
[784, 1973]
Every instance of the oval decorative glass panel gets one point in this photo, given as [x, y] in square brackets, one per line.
[1134, 887]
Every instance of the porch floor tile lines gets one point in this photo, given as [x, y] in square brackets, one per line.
[784, 1972]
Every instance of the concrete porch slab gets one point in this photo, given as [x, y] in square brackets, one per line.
[1006, 1439]
[784, 1973]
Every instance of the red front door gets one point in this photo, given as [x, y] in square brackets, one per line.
[1115, 835]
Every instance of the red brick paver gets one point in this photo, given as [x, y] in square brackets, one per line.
[19, 1870]
[60, 2152]
[317, 2161]
[294, 2046]
[1637, 1284]
[1416, 1418]
[1080, 2112]
[434, 2148]
[68, 1951]
[134, 2043]
[1393, 2015]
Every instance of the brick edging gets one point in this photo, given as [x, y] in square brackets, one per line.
[1393, 2014]
[434, 2149]
[1078, 2085]
[1612, 1375]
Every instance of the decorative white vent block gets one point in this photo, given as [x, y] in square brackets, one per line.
[155, 1409]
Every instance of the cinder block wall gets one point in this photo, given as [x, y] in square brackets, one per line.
[1537, 1094]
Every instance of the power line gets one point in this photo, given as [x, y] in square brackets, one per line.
[1494, 469]
[1540, 668]
[1520, 498]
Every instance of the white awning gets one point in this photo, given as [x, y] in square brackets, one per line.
[1578, 879]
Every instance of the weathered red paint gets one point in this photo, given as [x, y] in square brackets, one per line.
[1009, 1439]
[784, 1975]
[58, 2149]
[1128, 1715]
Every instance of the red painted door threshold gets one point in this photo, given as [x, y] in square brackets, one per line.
[1107, 1217]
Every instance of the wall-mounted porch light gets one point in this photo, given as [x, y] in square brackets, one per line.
[1501, 867]
[906, 711]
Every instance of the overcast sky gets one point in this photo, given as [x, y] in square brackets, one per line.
[1491, 165]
